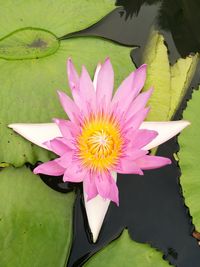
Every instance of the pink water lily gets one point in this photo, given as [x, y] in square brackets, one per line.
[104, 135]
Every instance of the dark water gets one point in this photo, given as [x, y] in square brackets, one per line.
[151, 206]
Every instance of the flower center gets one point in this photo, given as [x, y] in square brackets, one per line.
[100, 143]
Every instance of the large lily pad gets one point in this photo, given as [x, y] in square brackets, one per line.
[59, 17]
[189, 158]
[33, 64]
[126, 252]
[35, 221]
[170, 82]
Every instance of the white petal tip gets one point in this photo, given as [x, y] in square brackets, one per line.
[166, 130]
[96, 210]
[37, 133]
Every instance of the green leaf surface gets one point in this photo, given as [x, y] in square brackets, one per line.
[170, 82]
[189, 158]
[181, 76]
[28, 90]
[158, 76]
[28, 43]
[126, 252]
[35, 221]
[59, 17]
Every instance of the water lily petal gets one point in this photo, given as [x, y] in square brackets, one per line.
[105, 184]
[68, 129]
[87, 92]
[57, 146]
[129, 89]
[73, 77]
[127, 166]
[139, 103]
[134, 153]
[49, 168]
[96, 210]
[69, 107]
[166, 130]
[66, 159]
[105, 83]
[140, 138]
[134, 122]
[74, 172]
[37, 133]
[152, 162]
[96, 76]
[90, 186]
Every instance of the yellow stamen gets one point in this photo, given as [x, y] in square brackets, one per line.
[100, 143]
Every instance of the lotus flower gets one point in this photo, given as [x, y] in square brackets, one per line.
[104, 135]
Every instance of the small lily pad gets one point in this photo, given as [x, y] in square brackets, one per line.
[28, 43]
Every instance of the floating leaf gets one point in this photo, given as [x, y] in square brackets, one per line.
[189, 158]
[59, 17]
[181, 76]
[28, 43]
[125, 252]
[158, 76]
[170, 82]
[35, 221]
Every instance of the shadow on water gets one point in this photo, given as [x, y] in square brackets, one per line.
[130, 24]
[151, 206]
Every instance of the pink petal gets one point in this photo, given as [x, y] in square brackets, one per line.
[87, 92]
[66, 159]
[57, 146]
[49, 168]
[132, 153]
[73, 77]
[128, 166]
[129, 89]
[139, 103]
[114, 193]
[134, 122]
[74, 173]
[69, 107]
[106, 187]
[68, 129]
[152, 162]
[140, 78]
[90, 187]
[105, 83]
[140, 138]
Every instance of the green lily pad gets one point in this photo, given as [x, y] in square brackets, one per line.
[158, 77]
[33, 64]
[189, 158]
[125, 252]
[59, 17]
[28, 43]
[181, 76]
[170, 82]
[35, 221]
